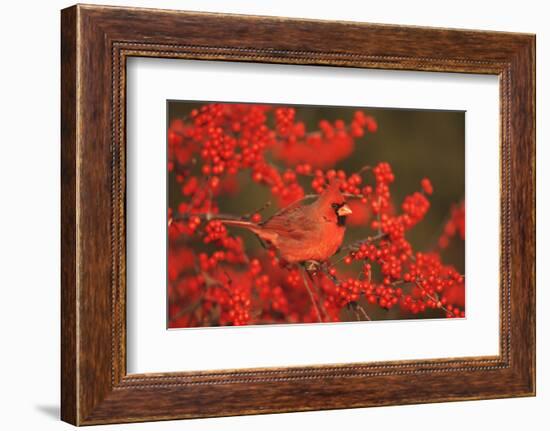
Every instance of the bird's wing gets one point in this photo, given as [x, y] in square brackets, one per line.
[306, 200]
[291, 222]
[298, 205]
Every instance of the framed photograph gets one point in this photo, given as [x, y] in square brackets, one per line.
[331, 214]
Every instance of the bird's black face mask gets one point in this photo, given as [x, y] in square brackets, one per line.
[340, 216]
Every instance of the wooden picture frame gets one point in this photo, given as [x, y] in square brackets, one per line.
[95, 43]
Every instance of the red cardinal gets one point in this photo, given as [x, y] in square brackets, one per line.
[305, 232]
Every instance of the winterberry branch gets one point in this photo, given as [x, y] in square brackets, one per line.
[361, 310]
[311, 296]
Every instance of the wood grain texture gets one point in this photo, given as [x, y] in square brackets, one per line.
[96, 41]
[69, 367]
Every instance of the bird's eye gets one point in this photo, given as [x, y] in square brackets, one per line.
[335, 206]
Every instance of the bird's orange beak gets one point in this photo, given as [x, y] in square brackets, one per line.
[344, 211]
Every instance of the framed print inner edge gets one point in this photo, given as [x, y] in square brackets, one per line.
[121, 51]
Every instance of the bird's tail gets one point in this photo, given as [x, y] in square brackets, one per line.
[242, 223]
[263, 233]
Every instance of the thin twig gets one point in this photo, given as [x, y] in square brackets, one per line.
[313, 302]
[319, 293]
[354, 246]
[206, 216]
[354, 196]
[436, 299]
[190, 309]
[326, 271]
[259, 210]
[219, 216]
[364, 169]
[363, 311]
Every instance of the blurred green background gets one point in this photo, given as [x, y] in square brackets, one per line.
[416, 143]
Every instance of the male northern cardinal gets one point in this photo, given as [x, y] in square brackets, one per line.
[305, 232]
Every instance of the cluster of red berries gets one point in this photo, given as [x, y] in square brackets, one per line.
[380, 196]
[456, 225]
[320, 149]
[227, 298]
[346, 291]
[284, 187]
[212, 280]
[285, 125]
[424, 275]
[180, 147]
[273, 297]
[236, 309]
[385, 296]
[432, 281]
[214, 231]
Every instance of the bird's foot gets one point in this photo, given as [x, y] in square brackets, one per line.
[312, 266]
